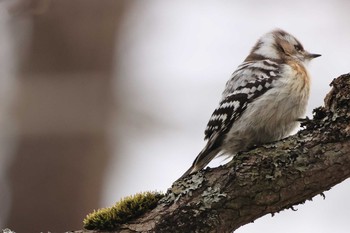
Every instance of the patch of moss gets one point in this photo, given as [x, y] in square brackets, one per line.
[123, 211]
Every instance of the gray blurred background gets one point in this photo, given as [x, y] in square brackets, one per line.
[103, 99]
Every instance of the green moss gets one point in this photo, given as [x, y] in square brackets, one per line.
[123, 211]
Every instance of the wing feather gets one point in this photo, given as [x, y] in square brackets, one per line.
[248, 82]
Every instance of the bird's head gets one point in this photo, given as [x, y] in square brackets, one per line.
[280, 45]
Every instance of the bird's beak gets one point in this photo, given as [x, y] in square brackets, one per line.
[312, 55]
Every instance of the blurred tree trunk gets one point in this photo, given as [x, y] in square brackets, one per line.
[65, 78]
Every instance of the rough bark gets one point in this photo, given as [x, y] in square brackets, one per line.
[264, 180]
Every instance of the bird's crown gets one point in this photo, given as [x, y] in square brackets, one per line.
[280, 46]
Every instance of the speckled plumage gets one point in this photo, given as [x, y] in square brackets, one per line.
[262, 100]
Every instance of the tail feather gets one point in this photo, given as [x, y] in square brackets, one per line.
[210, 150]
[202, 160]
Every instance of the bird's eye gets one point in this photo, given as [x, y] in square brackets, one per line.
[298, 48]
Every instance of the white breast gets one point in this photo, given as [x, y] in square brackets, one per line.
[273, 115]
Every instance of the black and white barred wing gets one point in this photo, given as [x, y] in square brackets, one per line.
[248, 82]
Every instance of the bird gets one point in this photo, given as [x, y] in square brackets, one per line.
[262, 101]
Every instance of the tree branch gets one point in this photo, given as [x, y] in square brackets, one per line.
[264, 180]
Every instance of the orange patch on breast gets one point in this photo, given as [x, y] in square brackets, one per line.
[301, 74]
